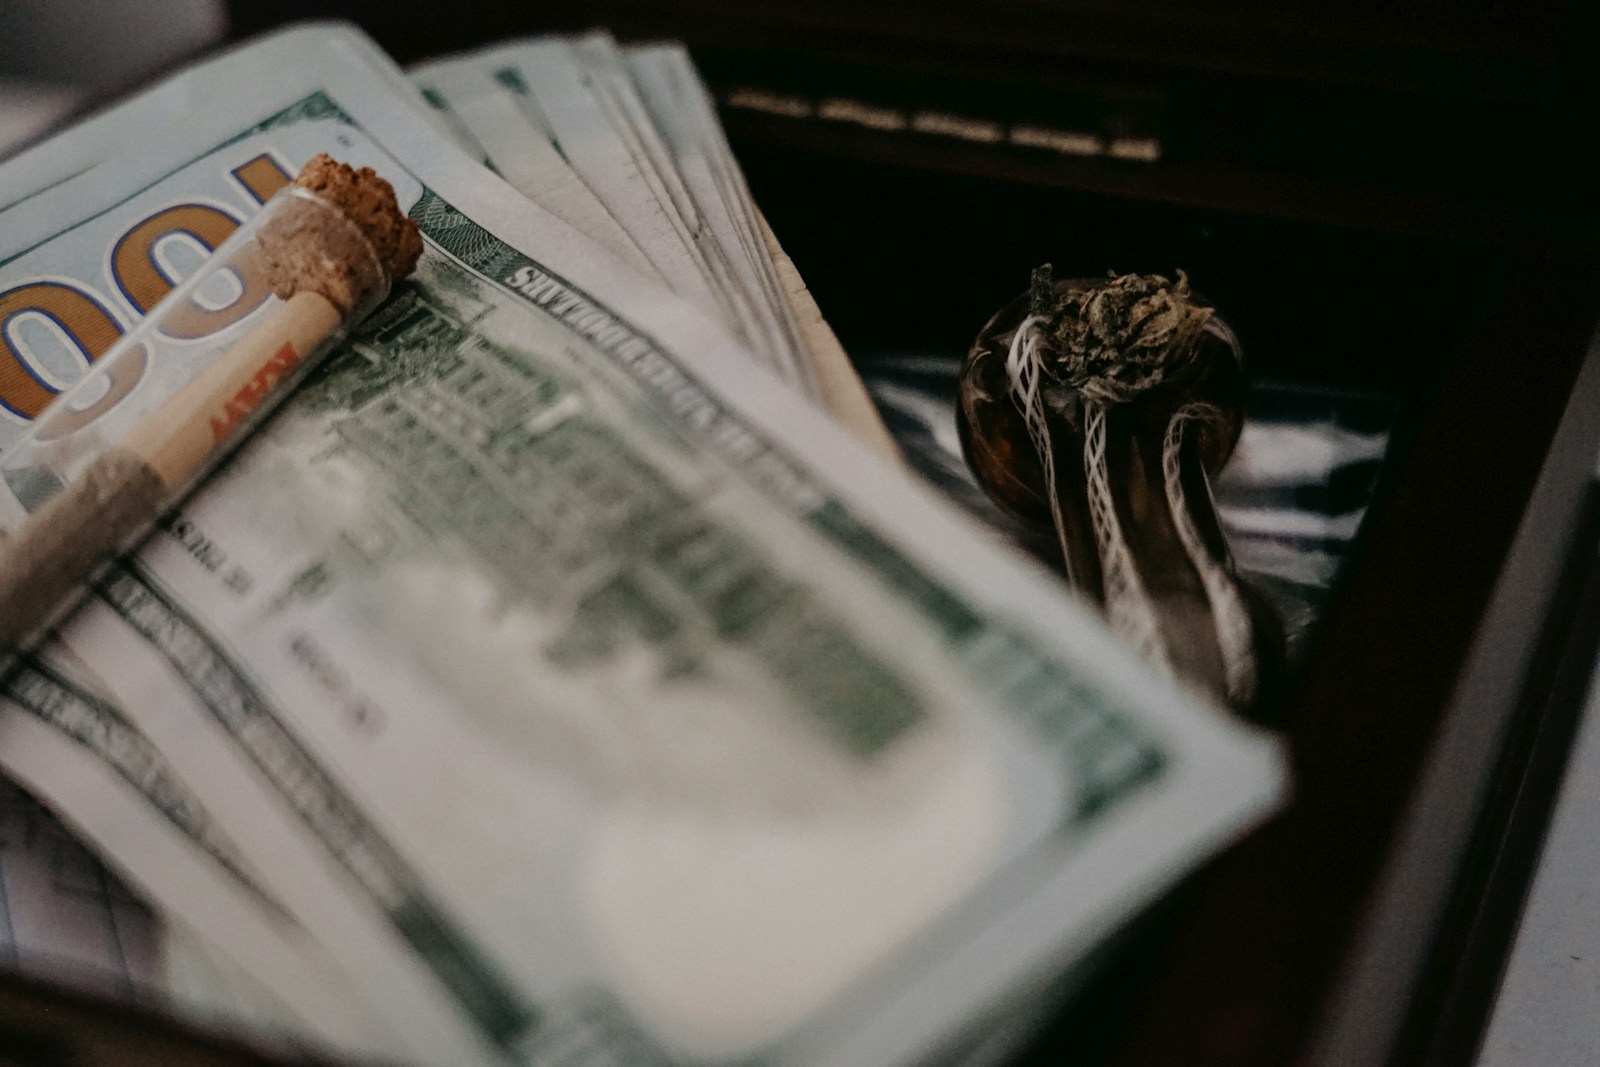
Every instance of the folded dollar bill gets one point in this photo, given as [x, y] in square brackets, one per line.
[637, 130]
[70, 745]
[577, 687]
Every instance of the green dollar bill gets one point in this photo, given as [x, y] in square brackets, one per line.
[621, 706]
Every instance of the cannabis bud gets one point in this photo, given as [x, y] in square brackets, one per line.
[1116, 340]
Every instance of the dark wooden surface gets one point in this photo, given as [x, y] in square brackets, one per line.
[1458, 994]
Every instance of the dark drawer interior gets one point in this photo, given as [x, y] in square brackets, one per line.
[905, 258]
[1475, 332]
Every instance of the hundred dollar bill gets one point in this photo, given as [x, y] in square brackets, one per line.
[476, 91]
[600, 65]
[495, 120]
[492, 105]
[684, 113]
[212, 991]
[50, 330]
[491, 109]
[660, 721]
[483, 104]
[75, 751]
[150, 252]
[589, 125]
[155, 232]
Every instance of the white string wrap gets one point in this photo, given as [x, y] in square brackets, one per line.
[1128, 607]
[1229, 615]
[1026, 375]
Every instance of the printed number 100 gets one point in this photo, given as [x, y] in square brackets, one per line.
[79, 316]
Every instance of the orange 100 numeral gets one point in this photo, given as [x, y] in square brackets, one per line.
[79, 316]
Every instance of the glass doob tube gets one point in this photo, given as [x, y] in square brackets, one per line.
[169, 398]
[218, 304]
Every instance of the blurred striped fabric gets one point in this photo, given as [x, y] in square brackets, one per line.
[1291, 500]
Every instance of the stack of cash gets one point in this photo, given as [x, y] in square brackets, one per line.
[567, 674]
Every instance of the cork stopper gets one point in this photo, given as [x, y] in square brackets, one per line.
[363, 239]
